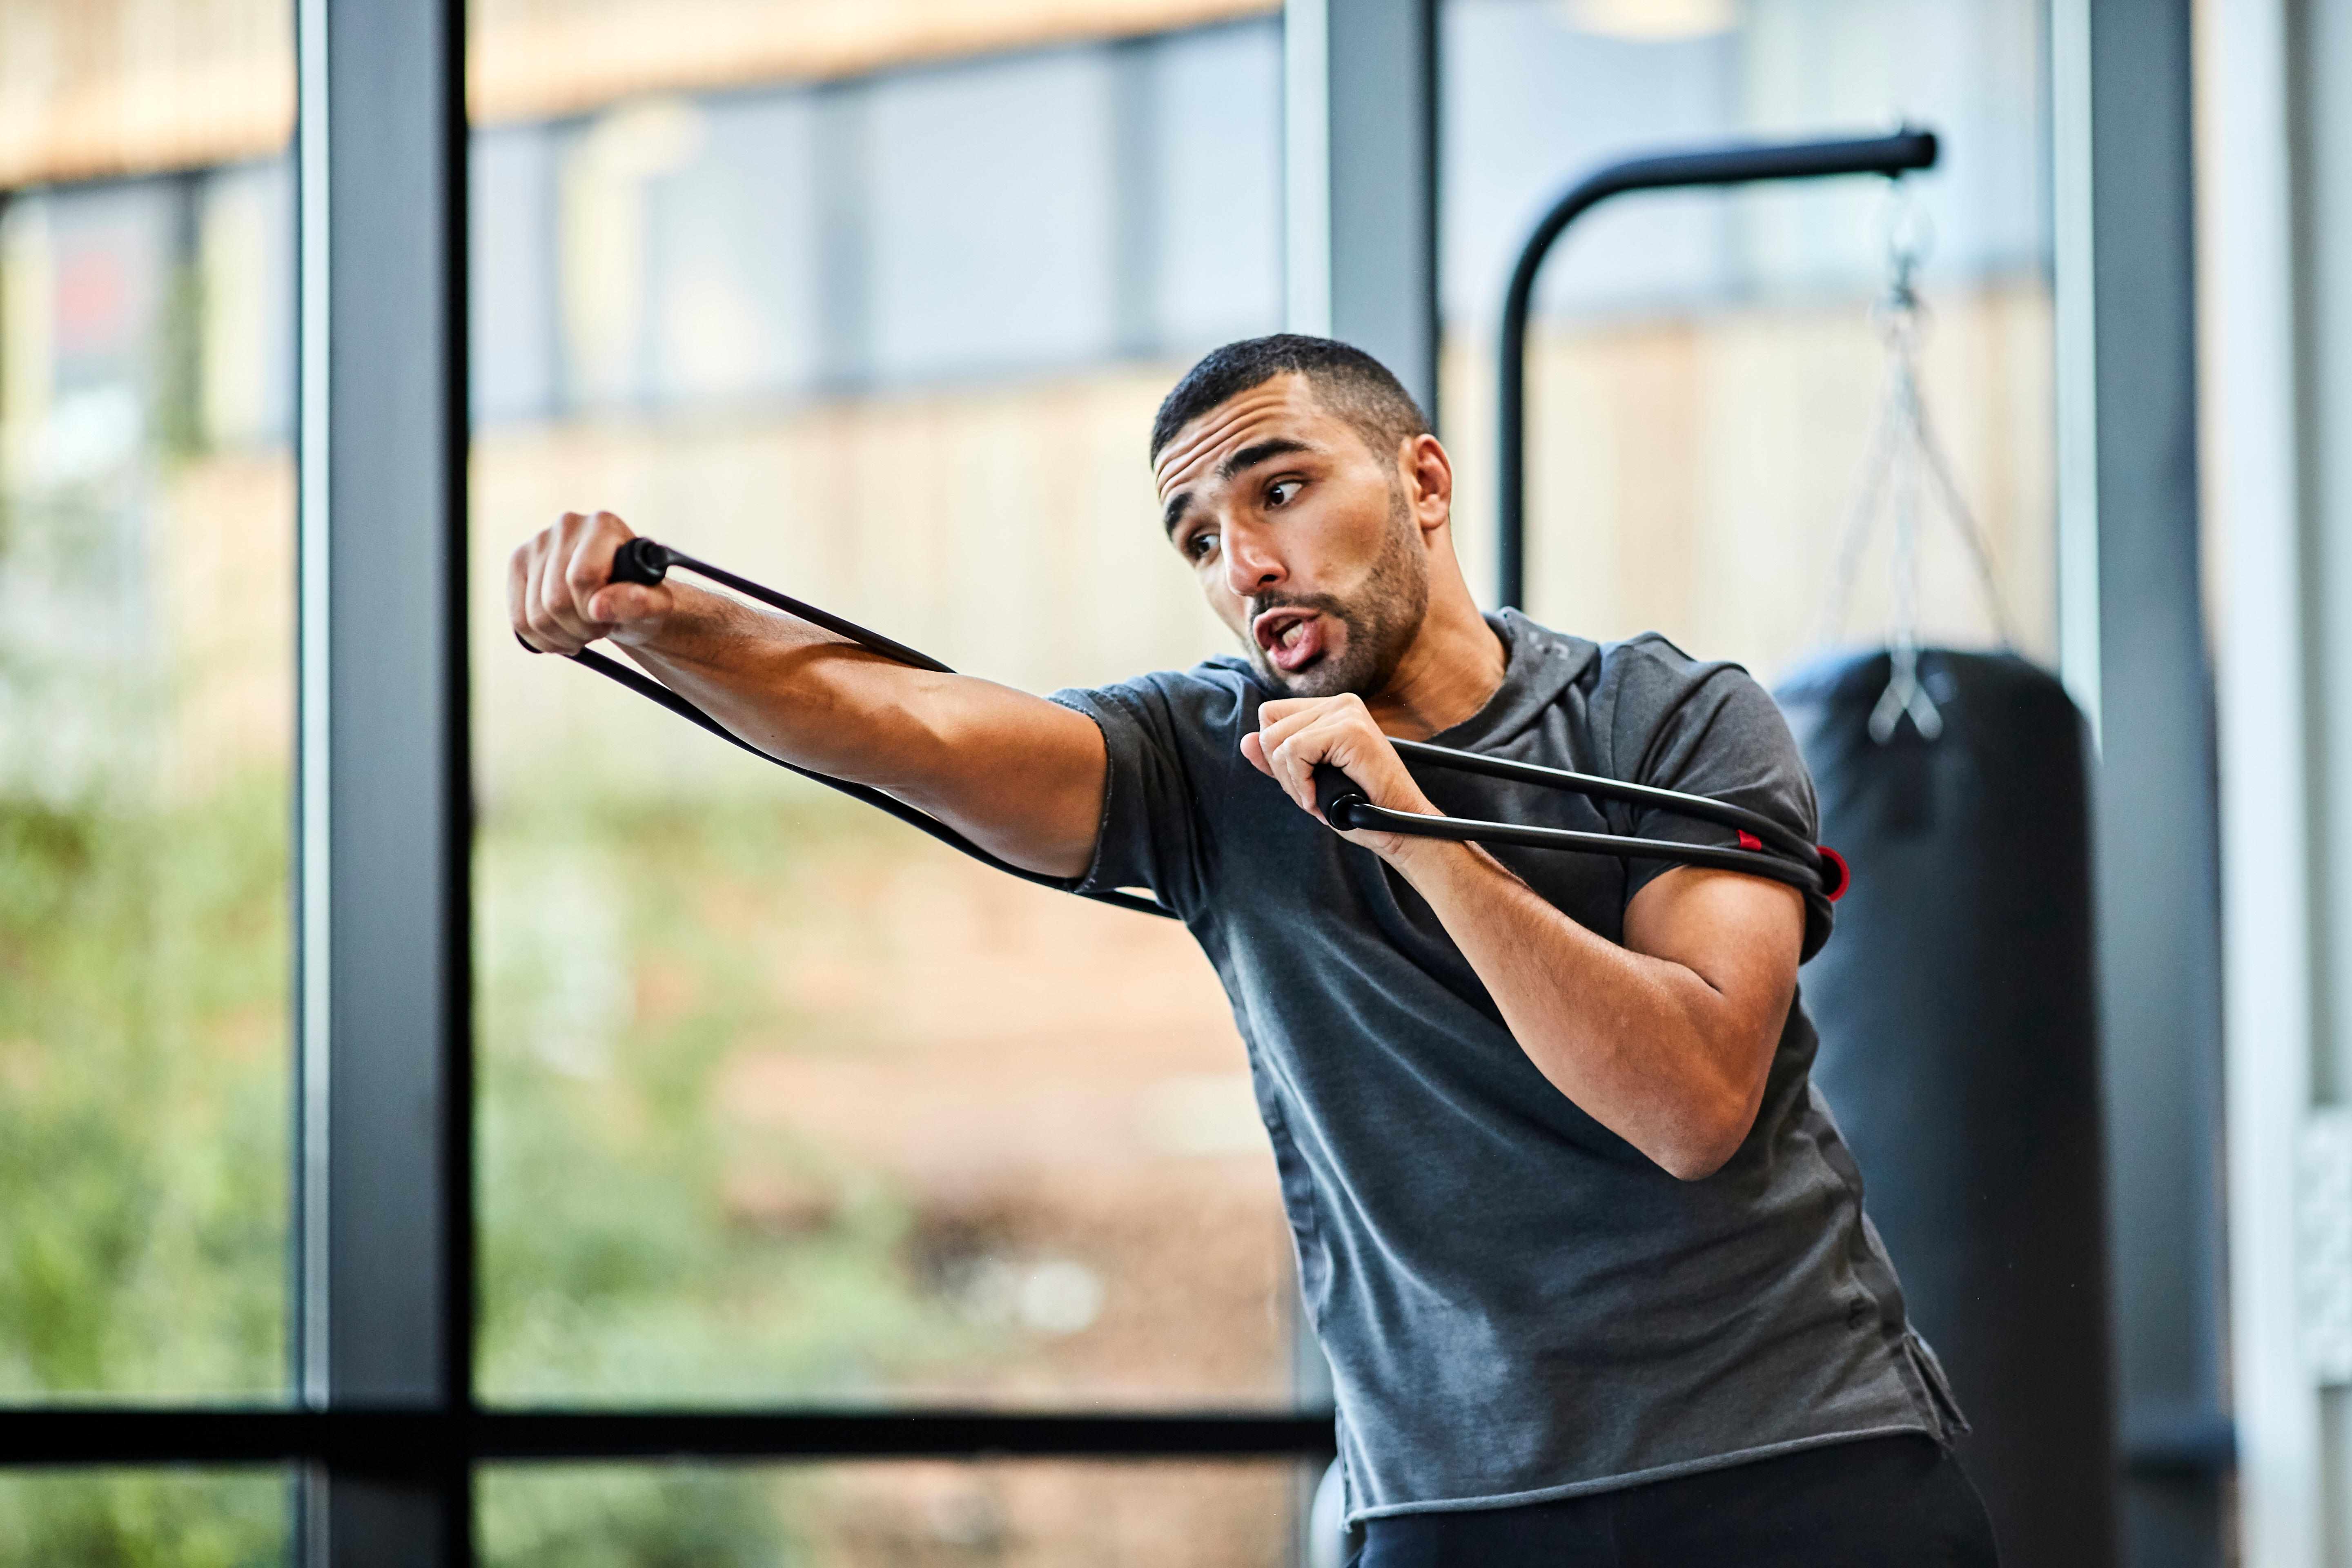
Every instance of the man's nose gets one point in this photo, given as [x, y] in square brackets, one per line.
[1250, 567]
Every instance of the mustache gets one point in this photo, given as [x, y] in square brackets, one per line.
[1328, 604]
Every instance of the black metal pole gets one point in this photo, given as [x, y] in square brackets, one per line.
[1735, 165]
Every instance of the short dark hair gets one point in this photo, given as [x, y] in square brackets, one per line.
[1351, 384]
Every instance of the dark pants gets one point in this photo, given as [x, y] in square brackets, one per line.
[1885, 1502]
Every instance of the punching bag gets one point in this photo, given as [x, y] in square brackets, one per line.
[1959, 1056]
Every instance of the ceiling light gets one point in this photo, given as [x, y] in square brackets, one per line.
[1653, 21]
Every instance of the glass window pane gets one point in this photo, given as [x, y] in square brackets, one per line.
[147, 1519]
[1705, 369]
[779, 1099]
[1007, 1514]
[146, 698]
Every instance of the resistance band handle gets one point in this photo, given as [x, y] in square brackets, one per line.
[642, 562]
[1338, 795]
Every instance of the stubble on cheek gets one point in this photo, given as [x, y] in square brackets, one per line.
[1380, 623]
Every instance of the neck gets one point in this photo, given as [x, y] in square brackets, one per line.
[1453, 665]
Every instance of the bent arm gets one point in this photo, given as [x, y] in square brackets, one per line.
[1017, 774]
[1667, 1040]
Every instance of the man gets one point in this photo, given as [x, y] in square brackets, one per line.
[1586, 1254]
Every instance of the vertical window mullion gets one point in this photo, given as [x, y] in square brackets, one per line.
[383, 1208]
[1360, 127]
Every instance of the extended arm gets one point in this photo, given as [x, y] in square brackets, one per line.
[1017, 774]
[1667, 1040]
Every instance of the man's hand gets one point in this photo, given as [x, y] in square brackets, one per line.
[1297, 735]
[1667, 1040]
[560, 594]
[1019, 776]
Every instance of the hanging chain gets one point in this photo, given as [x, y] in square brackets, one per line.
[1899, 327]
[1904, 457]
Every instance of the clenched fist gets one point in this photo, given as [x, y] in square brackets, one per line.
[561, 592]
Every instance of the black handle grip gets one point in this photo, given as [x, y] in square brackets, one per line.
[1335, 792]
[641, 561]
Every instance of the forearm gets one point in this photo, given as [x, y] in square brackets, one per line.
[1666, 1039]
[1645, 1045]
[1018, 776]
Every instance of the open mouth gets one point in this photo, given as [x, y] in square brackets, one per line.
[1292, 638]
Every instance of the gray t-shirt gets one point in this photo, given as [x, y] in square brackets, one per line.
[1516, 1304]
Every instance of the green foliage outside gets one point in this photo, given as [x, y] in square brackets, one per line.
[146, 1105]
[637, 1516]
[143, 1519]
[143, 1159]
[143, 1150]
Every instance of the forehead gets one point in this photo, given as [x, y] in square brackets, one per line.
[1283, 406]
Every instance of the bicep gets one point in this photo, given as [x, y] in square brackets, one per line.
[1740, 934]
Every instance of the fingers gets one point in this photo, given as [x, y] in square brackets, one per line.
[587, 565]
[1298, 734]
[517, 586]
[555, 615]
[559, 589]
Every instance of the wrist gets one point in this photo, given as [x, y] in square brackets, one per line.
[1427, 863]
[694, 615]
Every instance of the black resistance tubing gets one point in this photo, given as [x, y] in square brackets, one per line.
[1356, 815]
[644, 561]
[1740, 164]
[1344, 806]
[1699, 808]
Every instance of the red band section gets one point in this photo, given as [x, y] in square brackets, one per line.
[1836, 874]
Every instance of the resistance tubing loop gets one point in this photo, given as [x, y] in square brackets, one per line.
[644, 562]
[1344, 805]
[1818, 869]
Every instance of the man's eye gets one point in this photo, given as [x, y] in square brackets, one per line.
[1199, 546]
[1279, 492]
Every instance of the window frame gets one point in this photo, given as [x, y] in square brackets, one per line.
[380, 1422]
[381, 1426]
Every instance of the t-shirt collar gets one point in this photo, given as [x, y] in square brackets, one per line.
[1539, 664]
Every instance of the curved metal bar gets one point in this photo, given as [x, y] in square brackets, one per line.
[1906, 150]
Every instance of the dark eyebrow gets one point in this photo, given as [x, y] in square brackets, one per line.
[1250, 457]
[1247, 457]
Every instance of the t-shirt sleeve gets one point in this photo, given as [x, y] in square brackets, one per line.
[1711, 729]
[1150, 836]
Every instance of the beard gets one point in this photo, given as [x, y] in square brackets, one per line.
[1381, 619]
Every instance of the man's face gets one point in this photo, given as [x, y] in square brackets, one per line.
[1301, 536]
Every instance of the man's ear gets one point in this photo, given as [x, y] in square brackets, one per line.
[1428, 476]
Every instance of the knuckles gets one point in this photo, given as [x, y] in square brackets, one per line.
[560, 542]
